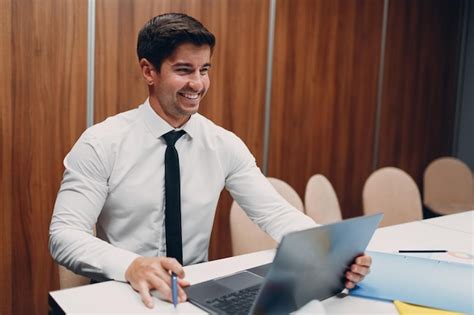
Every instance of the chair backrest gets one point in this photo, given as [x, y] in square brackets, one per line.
[68, 279]
[320, 200]
[393, 192]
[448, 186]
[246, 236]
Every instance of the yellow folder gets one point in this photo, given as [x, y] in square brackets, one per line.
[410, 309]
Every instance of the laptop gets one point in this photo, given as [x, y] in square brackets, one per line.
[308, 265]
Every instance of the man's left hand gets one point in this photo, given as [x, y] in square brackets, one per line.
[358, 270]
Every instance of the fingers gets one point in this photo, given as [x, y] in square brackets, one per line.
[151, 273]
[364, 260]
[358, 271]
[183, 283]
[173, 265]
[145, 294]
[163, 274]
[164, 285]
[350, 284]
[361, 270]
[163, 289]
[166, 293]
[354, 277]
[182, 295]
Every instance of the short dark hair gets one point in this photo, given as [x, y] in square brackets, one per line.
[161, 35]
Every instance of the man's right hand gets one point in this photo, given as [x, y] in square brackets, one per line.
[154, 273]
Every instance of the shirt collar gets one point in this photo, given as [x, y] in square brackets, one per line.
[158, 126]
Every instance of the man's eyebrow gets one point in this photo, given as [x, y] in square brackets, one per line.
[181, 64]
[186, 64]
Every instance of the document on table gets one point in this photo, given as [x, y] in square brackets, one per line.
[428, 282]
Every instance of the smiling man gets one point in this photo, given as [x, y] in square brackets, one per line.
[149, 179]
[180, 83]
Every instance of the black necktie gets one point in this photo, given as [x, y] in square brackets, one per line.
[174, 243]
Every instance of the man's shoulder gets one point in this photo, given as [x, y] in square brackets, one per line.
[211, 130]
[217, 134]
[113, 128]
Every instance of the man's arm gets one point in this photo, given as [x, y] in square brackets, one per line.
[258, 198]
[82, 195]
[79, 202]
[268, 209]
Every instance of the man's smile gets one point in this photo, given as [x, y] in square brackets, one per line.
[190, 95]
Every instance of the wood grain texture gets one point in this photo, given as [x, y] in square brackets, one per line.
[324, 89]
[236, 97]
[6, 130]
[49, 113]
[419, 91]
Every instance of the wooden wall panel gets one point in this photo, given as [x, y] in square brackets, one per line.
[49, 113]
[236, 97]
[6, 157]
[324, 89]
[323, 100]
[419, 91]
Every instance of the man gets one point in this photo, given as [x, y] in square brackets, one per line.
[149, 179]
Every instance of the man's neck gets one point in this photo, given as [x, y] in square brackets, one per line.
[175, 122]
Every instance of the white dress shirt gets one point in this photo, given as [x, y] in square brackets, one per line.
[114, 178]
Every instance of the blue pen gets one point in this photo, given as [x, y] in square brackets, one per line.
[174, 288]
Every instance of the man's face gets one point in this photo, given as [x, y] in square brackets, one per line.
[182, 82]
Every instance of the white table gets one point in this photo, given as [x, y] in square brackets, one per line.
[453, 232]
[462, 222]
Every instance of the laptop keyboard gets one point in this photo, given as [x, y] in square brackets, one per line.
[239, 302]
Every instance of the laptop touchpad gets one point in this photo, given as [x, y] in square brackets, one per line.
[240, 280]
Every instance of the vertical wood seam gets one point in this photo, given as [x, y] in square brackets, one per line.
[90, 62]
[268, 85]
[378, 111]
[465, 13]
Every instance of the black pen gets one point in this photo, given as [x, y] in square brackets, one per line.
[422, 251]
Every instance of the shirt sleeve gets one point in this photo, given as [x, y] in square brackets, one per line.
[258, 198]
[79, 202]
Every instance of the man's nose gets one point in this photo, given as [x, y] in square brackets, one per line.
[196, 82]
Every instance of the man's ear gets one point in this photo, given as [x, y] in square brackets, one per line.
[147, 69]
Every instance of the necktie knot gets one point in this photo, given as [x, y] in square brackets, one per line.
[173, 136]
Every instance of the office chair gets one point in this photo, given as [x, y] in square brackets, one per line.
[392, 191]
[68, 279]
[246, 236]
[448, 186]
[320, 200]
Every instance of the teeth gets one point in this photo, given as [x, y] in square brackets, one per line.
[191, 96]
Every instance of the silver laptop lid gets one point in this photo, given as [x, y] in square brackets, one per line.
[311, 264]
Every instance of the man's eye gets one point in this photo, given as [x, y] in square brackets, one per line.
[183, 70]
[204, 71]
